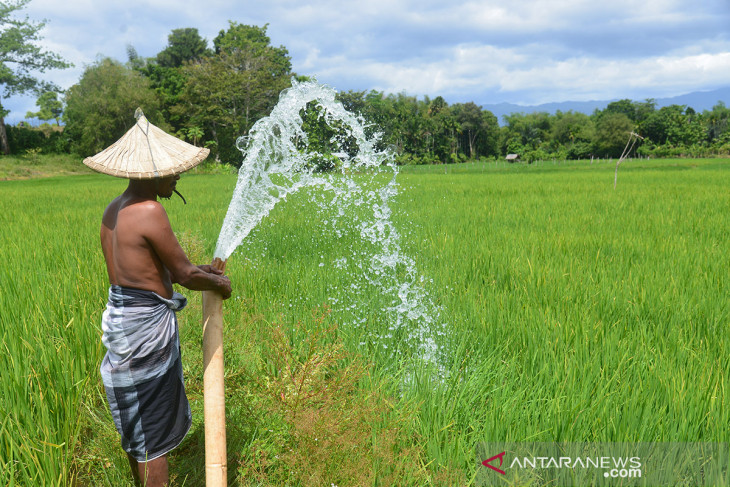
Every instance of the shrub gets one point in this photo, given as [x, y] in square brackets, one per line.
[580, 150]
[327, 428]
[21, 139]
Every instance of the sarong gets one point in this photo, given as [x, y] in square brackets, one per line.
[142, 371]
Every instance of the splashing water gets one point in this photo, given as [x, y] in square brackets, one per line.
[279, 161]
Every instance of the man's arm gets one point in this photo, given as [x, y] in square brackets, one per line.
[156, 229]
[205, 268]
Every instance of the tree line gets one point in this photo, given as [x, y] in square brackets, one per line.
[430, 131]
[211, 95]
[208, 96]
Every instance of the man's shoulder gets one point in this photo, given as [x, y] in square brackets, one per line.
[146, 206]
[147, 211]
[137, 211]
[134, 205]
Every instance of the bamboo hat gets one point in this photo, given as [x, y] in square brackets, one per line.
[146, 152]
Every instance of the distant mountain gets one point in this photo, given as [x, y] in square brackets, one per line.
[699, 100]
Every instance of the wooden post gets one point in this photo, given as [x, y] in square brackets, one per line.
[214, 406]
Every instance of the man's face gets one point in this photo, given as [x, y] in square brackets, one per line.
[166, 186]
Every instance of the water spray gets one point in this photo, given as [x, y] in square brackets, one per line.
[278, 161]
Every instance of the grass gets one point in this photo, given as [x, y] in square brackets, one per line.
[575, 313]
[33, 165]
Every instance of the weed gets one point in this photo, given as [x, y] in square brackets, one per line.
[334, 428]
[32, 155]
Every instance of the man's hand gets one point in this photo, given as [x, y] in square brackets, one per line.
[225, 287]
[224, 284]
[210, 269]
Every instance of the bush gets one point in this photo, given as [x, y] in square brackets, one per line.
[21, 139]
[580, 150]
[408, 159]
[327, 423]
[323, 162]
[535, 155]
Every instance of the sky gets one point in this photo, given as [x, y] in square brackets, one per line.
[490, 51]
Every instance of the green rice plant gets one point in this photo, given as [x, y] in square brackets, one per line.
[574, 313]
[583, 315]
[49, 300]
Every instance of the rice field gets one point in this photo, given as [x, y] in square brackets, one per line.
[574, 312]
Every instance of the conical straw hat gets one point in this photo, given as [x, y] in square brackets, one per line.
[146, 152]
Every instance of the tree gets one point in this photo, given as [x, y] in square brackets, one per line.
[625, 106]
[20, 58]
[571, 127]
[226, 93]
[469, 117]
[644, 109]
[526, 131]
[100, 107]
[50, 106]
[254, 40]
[134, 61]
[183, 45]
[444, 130]
[574, 132]
[169, 83]
[489, 144]
[401, 119]
[612, 132]
[683, 127]
[673, 125]
[717, 121]
[165, 71]
[194, 133]
[479, 129]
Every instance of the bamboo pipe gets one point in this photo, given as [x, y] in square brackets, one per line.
[214, 406]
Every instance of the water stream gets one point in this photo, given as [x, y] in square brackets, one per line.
[354, 187]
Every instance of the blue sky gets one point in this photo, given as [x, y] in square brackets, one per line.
[517, 51]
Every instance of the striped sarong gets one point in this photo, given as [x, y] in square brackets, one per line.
[142, 371]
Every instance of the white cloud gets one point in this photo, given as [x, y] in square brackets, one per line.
[482, 50]
[586, 79]
[531, 78]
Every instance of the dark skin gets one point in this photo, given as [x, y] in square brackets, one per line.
[142, 252]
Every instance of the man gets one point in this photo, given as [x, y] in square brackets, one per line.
[142, 370]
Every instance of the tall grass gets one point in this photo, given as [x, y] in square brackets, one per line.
[50, 298]
[586, 314]
[575, 312]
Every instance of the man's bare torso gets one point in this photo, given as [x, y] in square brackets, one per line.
[128, 250]
[142, 251]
